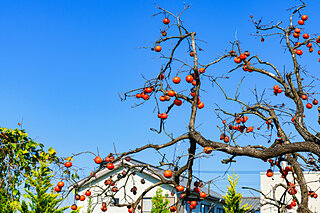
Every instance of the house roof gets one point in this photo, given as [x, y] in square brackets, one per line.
[253, 201]
[104, 171]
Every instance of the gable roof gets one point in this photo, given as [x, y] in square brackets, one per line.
[105, 171]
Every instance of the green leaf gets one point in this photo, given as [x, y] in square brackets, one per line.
[52, 151]
[15, 192]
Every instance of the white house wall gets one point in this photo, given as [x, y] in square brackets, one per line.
[121, 193]
[99, 181]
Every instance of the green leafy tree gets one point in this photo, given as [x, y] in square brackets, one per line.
[19, 157]
[233, 199]
[5, 204]
[160, 203]
[41, 199]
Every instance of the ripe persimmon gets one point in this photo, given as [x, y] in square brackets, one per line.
[243, 56]
[207, 149]
[98, 160]
[145, 96]
[57, 189]
[189, 78]
[167, 173]
[164, 116]
[60, 184]
[244, 119]
[161, 76]
[202, 70]
[148, 90]
[305, 36]
[171, 93]
[157, 48]
[110, 166]
[162, 98]
[192, 207]
[74, 207]
[296, 35]
[304, 97]
[304, 17]
[166, 21]
[176, 80]
[196, 189]
[315, 102]
[269, 173]
[203, 195]
[180, 188]
[177, 102]
[237, 60]
[68, 164]
[193, 203]
[249, 129]
[87, 193]
[299, 52]
[173, 209]
[309, 106]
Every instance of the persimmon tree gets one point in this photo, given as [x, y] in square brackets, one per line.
[281, 112]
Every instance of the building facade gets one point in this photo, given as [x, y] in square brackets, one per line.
[272, 188]
[141, 181]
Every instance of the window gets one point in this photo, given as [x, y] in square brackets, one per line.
[146, 205]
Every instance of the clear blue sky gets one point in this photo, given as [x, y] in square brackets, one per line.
[63, 64]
